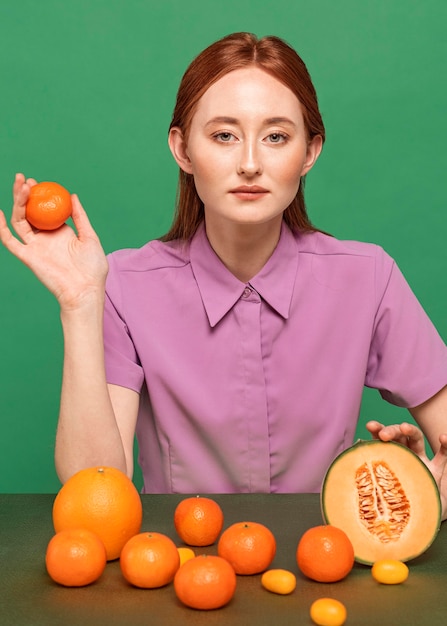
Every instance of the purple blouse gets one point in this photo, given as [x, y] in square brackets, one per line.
[257, 387]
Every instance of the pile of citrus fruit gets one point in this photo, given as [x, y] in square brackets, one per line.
[98, 515]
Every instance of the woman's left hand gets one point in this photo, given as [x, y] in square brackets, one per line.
[412, 437]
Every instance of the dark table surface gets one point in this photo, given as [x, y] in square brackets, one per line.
[28, 596]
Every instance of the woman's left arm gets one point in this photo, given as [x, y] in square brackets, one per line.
[431, 416]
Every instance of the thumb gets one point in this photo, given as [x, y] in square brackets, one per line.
[80, 219]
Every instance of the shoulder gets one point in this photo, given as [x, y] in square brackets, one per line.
[320, 244]
[153, 256]
[333, 259]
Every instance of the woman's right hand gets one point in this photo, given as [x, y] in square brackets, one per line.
[71, 265]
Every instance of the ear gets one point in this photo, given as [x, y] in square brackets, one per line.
[313, 152]
[179, 150]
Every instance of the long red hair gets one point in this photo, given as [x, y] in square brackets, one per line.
[237, 51]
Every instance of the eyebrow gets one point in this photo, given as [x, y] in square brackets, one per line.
[223, 119]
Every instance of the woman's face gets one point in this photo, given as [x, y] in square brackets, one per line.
[247, 148]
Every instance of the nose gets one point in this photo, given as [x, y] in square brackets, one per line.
[249, 159]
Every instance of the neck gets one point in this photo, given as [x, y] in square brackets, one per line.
[244, 248]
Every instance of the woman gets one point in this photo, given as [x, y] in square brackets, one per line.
[236, 347]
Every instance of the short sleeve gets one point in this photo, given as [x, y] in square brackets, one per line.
[408, 358]
[121, 359]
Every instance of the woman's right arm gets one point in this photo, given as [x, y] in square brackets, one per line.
[96, 421]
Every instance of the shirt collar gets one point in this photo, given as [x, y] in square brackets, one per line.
[220, 289]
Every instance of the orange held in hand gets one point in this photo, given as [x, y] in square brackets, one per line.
[205, 582]
[325, 554]
[250, 547]
[48, 206]
[198, 521]
[75, 558]
[104, 500]
[149, 560]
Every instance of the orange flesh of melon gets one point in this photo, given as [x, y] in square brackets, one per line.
[384, 498]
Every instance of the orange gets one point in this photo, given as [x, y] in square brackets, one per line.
[198, 521]
[279, 581]
[250, 547]
[185, 554]
[75, 558]
[328, 612]
[48, 206]
[325, 554]
[149, 560]
[104, 500]
[205, 582]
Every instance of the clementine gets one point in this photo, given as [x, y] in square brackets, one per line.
[48, 206]
[198, 521]
[205, 582]
[249, 547]
[149, 560]
[325, 554]
[185, 554]
[75, 558]
[104, 500]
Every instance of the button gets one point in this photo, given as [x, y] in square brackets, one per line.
[247, 292]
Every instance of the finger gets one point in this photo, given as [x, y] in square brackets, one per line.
[439, 461]
[80, 219]
[415, 438]
[20, 193]
[406, 434]
[8, 240]
[374, 427]
[21, 189]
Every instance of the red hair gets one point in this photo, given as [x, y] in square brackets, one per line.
[237, 51]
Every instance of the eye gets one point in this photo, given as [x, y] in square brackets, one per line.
[224, 137]
[276, 138]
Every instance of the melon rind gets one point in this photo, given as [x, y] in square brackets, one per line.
[339, 501]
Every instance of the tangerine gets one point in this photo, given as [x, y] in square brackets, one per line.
[49, 206]
[149, 560]
[198, 521]
[328, 612]
[75, 557]
[325, 554]
[205, 582]
[185, 554]
[104, 500]
[249, 547]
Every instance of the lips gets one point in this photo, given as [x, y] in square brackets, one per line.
[249, 192]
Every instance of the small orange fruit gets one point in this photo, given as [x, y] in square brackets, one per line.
[48, 206]
[185, 554]
[249, 547]
[390, 572]
[149, 560]
[328, 612]
[205, 582]
[279, 581]
[198, 521]
[104, 500]
[75, 558]
[325, 554]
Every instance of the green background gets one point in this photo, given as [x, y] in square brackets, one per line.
[87, 91]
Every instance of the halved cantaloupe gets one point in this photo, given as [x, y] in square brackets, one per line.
[384, 498]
